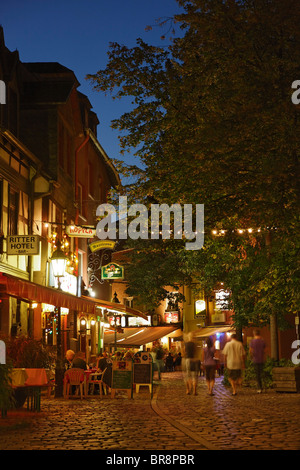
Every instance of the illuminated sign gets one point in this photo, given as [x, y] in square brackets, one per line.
[200, 309]
[171, 317]
[80, 232]
[102, 245]
[68, 283]
[23, 245]
[222, 299]
[112, 271]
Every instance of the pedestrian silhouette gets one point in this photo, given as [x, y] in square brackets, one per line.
[234, 361]
[209, 362]
[159, 360]
[191, 365]
[169, 363]
[257, 352]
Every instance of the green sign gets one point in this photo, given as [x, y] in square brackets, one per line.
[112, 271]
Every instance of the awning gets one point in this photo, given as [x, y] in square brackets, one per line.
[210, 331]
[32, 292]
[117, 307]
[138, 336]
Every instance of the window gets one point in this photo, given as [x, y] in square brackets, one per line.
[13, 212]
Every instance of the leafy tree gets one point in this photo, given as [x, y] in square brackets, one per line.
[213, 122]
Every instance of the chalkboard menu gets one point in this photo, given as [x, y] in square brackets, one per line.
[142, 370]
[121, 376]
[142, 373]
[121, 379]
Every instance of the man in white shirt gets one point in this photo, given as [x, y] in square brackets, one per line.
[234, 353]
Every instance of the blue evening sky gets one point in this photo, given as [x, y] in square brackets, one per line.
[77, 34]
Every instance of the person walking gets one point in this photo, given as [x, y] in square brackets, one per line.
[257, 352]
[234, 353]
[191, 366]
[159, 360]
[209, 363]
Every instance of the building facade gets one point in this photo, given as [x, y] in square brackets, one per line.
[53, 175]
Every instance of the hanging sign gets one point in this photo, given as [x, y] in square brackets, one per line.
[80, 232]
[112, 271]
[222, 299]
[102, 245]
[23, 244]
[200, 309]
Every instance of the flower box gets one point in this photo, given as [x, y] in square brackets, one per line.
[286, 379]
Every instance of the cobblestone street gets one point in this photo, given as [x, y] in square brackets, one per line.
[171, 420]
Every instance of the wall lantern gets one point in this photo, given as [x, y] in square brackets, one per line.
[59, 262]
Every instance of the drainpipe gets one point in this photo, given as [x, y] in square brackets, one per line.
[76, 173]
[76, 184]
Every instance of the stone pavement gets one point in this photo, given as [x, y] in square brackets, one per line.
[170, 421]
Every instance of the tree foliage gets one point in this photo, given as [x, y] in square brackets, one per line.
[212, 121]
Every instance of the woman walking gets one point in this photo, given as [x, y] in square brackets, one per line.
[209, 365]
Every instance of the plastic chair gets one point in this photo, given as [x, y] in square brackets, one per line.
[98, 381]
[74, 377]
[51, 382]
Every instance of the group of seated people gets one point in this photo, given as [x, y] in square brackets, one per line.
[75, 360]
[100, 363]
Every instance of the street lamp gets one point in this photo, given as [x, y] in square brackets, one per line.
[59, 263]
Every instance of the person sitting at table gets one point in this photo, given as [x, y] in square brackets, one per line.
[68, 359]
[79, 362]
[102, 362]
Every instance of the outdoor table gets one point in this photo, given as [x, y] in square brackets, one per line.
[18, 377]
[32, 380]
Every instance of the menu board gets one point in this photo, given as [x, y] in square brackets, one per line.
[142, 373]
[142, 370]
[121, 377]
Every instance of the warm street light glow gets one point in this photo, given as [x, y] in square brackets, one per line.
[59, 261]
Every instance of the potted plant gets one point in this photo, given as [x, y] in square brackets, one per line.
[24, 352]
[286, 376]
[6, 392]
[29, 353]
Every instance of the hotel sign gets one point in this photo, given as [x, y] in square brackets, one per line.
[23, 244]
[80, 232]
